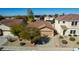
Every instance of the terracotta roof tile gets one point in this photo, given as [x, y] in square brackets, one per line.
[69, 17]
[9, 22]
[41, 24]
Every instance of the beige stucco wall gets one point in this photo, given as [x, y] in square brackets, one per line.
[48, 18]
[58, 28]
[46, 31]
[68, 25]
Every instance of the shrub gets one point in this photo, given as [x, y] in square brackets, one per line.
[64, 42]
[75, 35]
[20, 39]
[77, 43]
[22, 43]
[70, 35]
[61, 37]
[72, 39]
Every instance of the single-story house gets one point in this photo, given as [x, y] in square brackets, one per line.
[6, 24]
[46, 28]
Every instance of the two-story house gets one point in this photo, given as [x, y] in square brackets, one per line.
[67, 24]
[49, 18]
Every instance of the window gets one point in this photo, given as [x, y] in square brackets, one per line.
[74, 23]
[72, 31]
[63, 21]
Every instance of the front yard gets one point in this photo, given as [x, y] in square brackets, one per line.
[68, 41]
[18, 43]
[56, 42]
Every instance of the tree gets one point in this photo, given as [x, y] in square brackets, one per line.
[53, 21]
[18, 17]
[30, 34]
[1, 17]
[63, 14]
[16, 30]
[24, 18]
[30, 15]
[56, 15]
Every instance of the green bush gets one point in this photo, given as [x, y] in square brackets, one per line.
[77, 43]
[72, 39]
[61, 37]
[22, 43]
[64, 42]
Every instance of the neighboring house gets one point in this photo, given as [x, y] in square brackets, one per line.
[45, 27]
[3, 39]
[49, 18]
[37, 17]
[5, 29]
[67, 24]
[6, 24]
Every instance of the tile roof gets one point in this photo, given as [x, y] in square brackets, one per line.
[41, 24]
[9, 22]
[69, 17]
